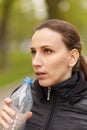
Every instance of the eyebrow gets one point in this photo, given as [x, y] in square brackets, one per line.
[42, 47]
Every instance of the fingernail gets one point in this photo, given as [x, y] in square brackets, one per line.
[12, 113]
[10, 121]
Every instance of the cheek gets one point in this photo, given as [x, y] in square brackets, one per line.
[63, 61]
[59, 67]
[58, 70]
[60, 62]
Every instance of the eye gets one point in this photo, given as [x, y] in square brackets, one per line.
[47, 51]
[33, 52]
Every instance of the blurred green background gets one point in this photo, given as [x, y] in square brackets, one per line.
[17, 21]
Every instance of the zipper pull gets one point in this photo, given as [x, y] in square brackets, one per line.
[48, 95]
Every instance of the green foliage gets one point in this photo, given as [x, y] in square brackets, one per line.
[19, 67]
[21, 22]
[76, 13]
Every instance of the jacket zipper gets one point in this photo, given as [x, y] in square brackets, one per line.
[48, 95]
[51, 114]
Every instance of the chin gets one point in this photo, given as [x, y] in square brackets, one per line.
[44, 83]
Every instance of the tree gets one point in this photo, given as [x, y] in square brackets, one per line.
[72, 11]
[6, 7]
[52, 9]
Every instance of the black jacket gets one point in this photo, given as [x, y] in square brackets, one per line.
[66, 108]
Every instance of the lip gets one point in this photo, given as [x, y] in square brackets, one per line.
[40, 75]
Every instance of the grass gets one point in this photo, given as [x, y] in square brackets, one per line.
[19, 67]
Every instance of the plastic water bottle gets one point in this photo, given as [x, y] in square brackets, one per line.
[22, 103]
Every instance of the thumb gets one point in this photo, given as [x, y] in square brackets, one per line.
[29, 115]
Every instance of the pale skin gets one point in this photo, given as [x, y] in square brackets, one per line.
[52, 62]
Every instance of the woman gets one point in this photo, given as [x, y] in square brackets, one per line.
[60, 90]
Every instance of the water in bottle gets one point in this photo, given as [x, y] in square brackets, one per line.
[22, 103]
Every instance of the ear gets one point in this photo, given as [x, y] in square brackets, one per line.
[74, 55]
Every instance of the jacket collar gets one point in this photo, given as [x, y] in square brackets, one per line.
[79, 91]
[70, 90]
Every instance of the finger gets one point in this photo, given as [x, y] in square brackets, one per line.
[8, 101]
[6, 117]
[8, 110]
[29, 115]
[3, 123]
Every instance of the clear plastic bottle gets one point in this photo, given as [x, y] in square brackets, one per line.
[22, 103]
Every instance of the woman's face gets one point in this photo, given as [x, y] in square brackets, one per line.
[50, 57]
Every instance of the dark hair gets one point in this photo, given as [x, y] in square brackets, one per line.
[70, 37]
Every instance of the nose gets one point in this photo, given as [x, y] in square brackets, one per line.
[36, 60]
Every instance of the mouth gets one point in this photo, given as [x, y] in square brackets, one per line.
[40, 75]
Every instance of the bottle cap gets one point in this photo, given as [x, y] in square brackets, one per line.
[28, 80]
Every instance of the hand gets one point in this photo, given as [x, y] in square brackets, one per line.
[7, 114]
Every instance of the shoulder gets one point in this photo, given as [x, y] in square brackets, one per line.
[82, 104]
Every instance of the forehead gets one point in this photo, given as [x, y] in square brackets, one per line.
[46, 32]
[46, 36]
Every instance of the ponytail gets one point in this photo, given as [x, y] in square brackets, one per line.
[83, 66]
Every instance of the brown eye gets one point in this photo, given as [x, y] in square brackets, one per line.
[33, 52]
[47, 51]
